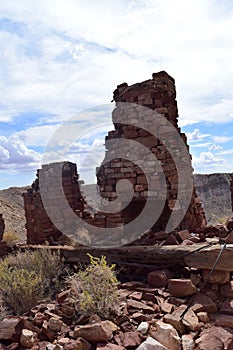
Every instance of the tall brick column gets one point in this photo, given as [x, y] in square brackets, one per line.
[157, 94]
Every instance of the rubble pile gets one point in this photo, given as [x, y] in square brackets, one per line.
[167, 311]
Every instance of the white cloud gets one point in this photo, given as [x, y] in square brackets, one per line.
[222, 139]
[79, 58]
[16, 156]
[4, 154]
[36, 136]
[208, 157]
[60, 59]
[196, 135]
[207, 162]
[215, 147]
[226, 152]
[200, 145]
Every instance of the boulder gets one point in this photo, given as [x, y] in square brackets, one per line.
[187, 342]
[27, 338]
[151, 344]
[201, 302]
[97, 332]
[55, 324]
[143, 328]
[159, 278]
[167, 336]
[130, 339]
[216, 277]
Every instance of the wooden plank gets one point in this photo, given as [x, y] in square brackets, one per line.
[153, 255]
[161, 256]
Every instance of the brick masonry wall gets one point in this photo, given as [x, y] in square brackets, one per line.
[38, 224]
[157, 94]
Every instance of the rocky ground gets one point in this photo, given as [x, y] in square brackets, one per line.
[174, 308]
[164, 313]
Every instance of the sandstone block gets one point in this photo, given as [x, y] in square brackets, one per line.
[151, 344]
[181, 287]
[158, 278]
[167, 336]
[130, 339]
[187, 342]
[143, 328]
[27, 338]
[55, 324]
[137, 305]
[215, 338]
[191, 321]
[217, 276]
[175, 319]
[97, 332]
[201, 302]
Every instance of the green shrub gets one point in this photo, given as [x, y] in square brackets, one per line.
[94, 289]
[20, 289]
[27, 278]
[43, 262]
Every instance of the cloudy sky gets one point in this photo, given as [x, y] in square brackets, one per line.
[64, 57]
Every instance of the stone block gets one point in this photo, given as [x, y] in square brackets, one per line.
[181, 287]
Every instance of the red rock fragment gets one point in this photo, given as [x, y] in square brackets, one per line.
[181, 287]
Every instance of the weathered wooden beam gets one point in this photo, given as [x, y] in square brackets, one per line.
[153, 255]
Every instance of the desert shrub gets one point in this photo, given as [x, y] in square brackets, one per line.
[94, 288]
[10, 237]
[48, 265]
[28, 277]
[20, 289]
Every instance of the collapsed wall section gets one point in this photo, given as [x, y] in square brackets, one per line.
[39, 226]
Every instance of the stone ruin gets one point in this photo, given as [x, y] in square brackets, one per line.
[38, 224]
[151, 103]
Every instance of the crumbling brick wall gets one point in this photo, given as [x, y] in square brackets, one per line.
[38, 224]
[157, 94]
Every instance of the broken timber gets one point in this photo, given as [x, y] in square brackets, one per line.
[151, 255]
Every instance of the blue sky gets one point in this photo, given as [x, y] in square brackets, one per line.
[61, 58]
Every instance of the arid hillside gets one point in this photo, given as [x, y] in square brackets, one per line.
[213, 190]
[12, 208]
